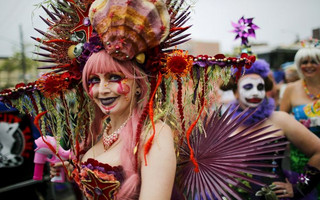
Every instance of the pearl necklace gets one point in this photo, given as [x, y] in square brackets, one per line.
[311, 96]
[110, 139]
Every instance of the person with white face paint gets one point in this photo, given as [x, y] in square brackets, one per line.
[250, 92]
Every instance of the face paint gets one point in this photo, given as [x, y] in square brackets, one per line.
[90, 90]
[123, 88]
[93, 80]
[108, 108]
[111, 92]
[251, 90]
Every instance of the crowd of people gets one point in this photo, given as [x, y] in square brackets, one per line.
[139, 121]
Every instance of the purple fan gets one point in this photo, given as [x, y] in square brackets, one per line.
[224, 157]
[244, 29]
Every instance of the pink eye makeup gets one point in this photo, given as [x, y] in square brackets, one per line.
[93, 79]
[115, 80]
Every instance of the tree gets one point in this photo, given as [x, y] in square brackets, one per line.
[14, 65]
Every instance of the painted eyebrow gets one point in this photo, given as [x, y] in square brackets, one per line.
[247, 85]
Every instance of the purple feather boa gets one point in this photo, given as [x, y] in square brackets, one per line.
[264, 110]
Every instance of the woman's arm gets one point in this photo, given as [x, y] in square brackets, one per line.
[158, 176]
[306, 142]
[300, 136]
[285, 103]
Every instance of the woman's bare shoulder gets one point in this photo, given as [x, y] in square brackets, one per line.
[286, 122]
[279, 116]
[162, 126]
[162, 129]
[293, 85]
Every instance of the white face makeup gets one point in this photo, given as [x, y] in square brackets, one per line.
[251, 90]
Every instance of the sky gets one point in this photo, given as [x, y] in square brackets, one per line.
[280, 22]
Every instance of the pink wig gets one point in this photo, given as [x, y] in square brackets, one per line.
[102, 62]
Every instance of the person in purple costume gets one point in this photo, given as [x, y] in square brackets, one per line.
[250, 92]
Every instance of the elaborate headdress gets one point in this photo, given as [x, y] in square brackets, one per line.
[144, 31]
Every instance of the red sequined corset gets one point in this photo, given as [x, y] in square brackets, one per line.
[97, 180]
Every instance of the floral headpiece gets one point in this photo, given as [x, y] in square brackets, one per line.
[244, 28]
[311, 42]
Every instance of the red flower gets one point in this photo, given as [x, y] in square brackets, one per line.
[19, 85]
[249, 60]
[178, 64]
[219, 56]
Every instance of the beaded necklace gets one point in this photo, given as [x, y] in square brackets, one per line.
[110, 139]
[311, 96]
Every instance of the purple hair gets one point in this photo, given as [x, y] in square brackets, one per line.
[260, 67]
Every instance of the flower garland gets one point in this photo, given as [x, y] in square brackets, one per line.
[264, 110]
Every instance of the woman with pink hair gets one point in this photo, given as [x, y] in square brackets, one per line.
[141, 113]
[118, 90]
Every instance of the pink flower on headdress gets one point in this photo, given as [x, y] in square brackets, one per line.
[244, 29]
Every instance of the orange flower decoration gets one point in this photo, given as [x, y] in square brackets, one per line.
[178, 64]
[53, 84]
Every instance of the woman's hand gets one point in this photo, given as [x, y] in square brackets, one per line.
[283, 189]
[55, 168]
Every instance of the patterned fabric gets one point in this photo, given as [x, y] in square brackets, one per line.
[305, 115]
[309, 116]
[98, 181]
